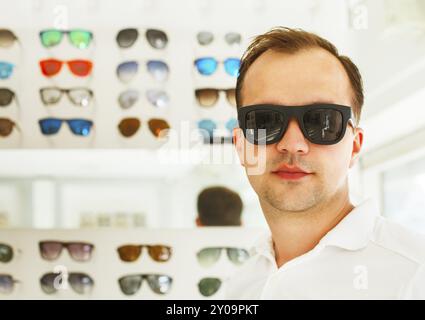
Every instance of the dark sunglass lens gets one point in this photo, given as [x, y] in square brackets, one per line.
[6, 253]
[51, 282]
[80, 251]
[263, 126]
[127, 37]
[209, 286]
[323, 126]
[160, 284]
[81, 282]
[6, 96]
[157, 39]
[130, 284]
[50, 250]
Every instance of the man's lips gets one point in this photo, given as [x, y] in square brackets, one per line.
[291, 173]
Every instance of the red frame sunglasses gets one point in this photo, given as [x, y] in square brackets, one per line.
[80, 68]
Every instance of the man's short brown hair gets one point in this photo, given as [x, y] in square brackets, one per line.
[289, 40]
[219, 206]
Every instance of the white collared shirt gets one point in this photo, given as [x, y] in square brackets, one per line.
[365, 256]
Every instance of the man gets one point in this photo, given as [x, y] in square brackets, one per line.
[219, 206]
[300, 102]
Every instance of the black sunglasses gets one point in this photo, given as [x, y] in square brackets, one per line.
[323, 124]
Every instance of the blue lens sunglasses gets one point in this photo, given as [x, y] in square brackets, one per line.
[79, 127]
[208, 65]
[6, 69]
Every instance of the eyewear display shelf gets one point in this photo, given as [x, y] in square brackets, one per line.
[105, 266]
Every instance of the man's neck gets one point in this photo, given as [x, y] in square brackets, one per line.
[295, 233]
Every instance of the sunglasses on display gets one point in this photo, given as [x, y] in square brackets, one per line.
[208, 126]
[7, 283]
[81, 283]
[209, 286]
[6, 127]
[77, 37]
[6, 253]
[80, 68]
[79, 127]
[159, 253]
[7, 38]
[322, 124]
[208, 97]
[209, 256]
[6, 97]
[159, 70]
[208, 65]
[157, 98]
[159, 283]
[206, 37]
[78, 96]
[126, 38]
[129, 126]
[6, 70]
[79, 251]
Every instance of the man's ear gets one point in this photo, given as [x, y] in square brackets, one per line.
[239, 141]
[357, 146]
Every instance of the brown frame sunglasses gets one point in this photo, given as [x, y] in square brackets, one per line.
[208, 97]
[128, 127]
[132, 252]
[6, 127]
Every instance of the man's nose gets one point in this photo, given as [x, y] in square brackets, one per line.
[293, 141]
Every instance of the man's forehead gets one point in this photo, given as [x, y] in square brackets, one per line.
[305, 77]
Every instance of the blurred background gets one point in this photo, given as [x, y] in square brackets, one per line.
[123, 174]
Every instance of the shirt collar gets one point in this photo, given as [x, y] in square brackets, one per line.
[351, 233]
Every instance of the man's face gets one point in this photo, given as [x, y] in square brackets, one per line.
[306, 77]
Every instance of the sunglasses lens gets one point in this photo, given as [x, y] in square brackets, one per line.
[232, 38]
[80, 68]
[50, 67]
[209, 286]
[231, 96]
[6, 96]
[323, 126]
[50, 282]
[207, 127]
[158, 127]
[231, 124]
[80, 38]
[231, 65]
[50, 95]
[6, 253]
[129, 253]
[127, 70]
[206, 97]
[157, 39]
[237, 256]
[158, 98]
[130, 284]
[50, 250]
[208, 256]
[6, 284]
[6, 70]
[158, 69]
[128, 98]
[6, 127]
[50, 126]
[81, 282]
[80, 251]
[7, 38]
[129, 126]
[50, 38]
[204, 38]
[80, 97]
[263, 126]
[80, 127]
[160, 253]
[206, 66]
[159, 284]
[127, 37]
